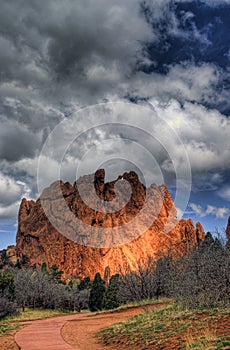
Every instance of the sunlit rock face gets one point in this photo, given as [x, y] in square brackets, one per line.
[91, 225]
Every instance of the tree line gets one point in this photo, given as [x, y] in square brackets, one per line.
[201, 278]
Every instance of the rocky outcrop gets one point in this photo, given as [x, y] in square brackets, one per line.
[102, 225]
[11, 253]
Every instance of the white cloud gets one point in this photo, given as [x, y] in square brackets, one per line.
[204, 134]
[224, 192]
[9, 211]
[11, 193]
[197, 209]
[218, 212]
[185, 81]
[10, 190]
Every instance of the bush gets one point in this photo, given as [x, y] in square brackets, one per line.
[7, 308]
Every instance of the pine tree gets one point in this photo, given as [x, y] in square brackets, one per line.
[110, 300]
[56, 274]
[85, 284]
[96, 293]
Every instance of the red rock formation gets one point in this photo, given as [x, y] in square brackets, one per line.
[112, 206]
[11, 254]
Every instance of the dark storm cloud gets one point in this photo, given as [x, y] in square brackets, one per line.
[16, 142]
[60, 51]
[71, 41]
[57, 56]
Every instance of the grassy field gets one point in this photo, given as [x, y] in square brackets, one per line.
[171, 328]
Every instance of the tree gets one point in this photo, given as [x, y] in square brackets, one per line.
[138, 285]
[56, 274]
[111, 298]
[85, 284]
[7, 287]
[35, 288]
[80, 299]
[44, 267]
[202, 277]
[163, 276]
[96, 293]
[4, 258]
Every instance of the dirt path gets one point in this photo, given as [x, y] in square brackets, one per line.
[80, 333]
[69, 332]
[44, 334]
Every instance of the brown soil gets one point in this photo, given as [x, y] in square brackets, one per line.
[8, 343]
[81, 333]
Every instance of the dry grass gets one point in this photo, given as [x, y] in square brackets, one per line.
[36, 314]
[172, 328]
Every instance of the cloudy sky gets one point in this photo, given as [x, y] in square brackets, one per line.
[172, 57]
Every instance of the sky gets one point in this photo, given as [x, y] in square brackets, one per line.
[157, 75]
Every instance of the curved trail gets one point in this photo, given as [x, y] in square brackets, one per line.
[45, 334]
[71, 331]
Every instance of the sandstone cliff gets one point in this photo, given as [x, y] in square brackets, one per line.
[110, 207]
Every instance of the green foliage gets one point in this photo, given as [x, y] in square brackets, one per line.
[55, 274]
[85, 284]
[7, 287]
[22, 263]
[4, 258]
[111, 298]
[97, 293]
[44, 267]
[7, 328]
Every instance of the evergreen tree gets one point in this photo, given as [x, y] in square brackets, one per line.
[7, 287]
[110, 300]
[208, 242]
[85, 284]
[55, 274]
[44, 267]
[96, 293]
[4, 258]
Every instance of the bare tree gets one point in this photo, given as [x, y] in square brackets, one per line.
[137, 285]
